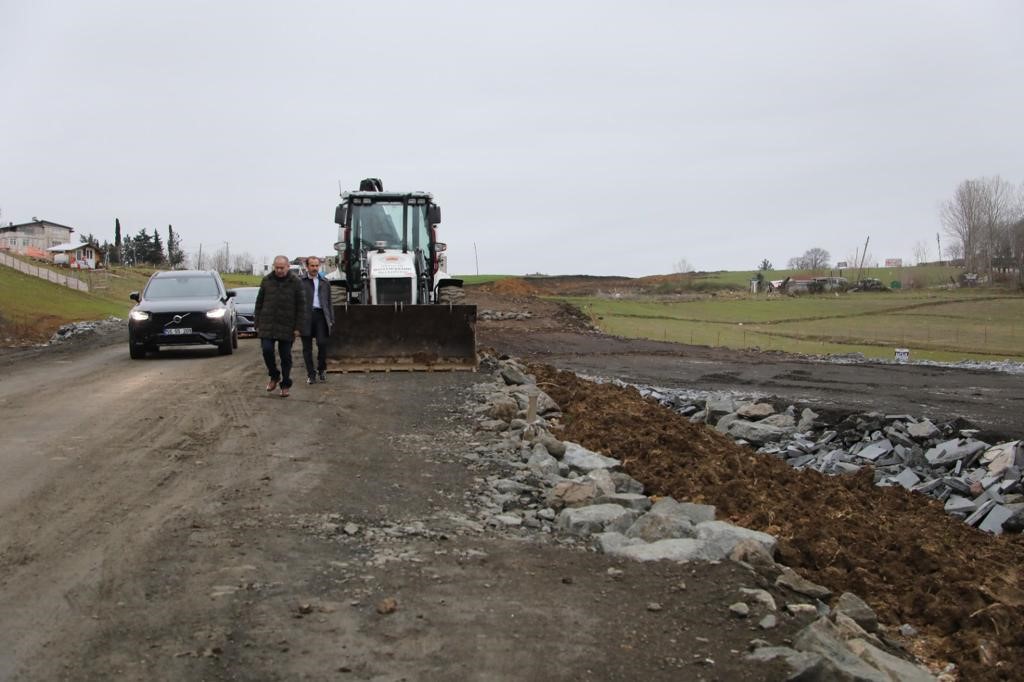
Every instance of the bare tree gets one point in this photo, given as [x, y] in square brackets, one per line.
[218, 260]
[242, 262]
[978, 216]
[813, 259]
[921, 252]
[682, 265]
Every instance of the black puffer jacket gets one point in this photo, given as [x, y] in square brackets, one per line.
[280, 307]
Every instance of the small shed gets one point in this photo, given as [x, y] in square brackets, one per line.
[78, 256]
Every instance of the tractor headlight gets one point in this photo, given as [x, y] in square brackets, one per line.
[216, 313]
[139, 315]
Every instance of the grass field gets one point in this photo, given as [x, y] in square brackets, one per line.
[954, 325]
[907, 277]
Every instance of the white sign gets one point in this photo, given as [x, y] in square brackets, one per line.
[902, 355]
[842, 264]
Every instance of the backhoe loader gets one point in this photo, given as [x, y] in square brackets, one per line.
[394, 302]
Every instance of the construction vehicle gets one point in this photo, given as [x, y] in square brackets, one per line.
[395, 305]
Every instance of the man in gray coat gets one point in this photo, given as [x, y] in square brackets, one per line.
[280, 315]
[318, 321]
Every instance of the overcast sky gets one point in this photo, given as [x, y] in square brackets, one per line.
[559, 137]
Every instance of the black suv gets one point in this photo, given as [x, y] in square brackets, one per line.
[182, 308]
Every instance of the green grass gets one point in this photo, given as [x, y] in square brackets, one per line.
[908, 277]
[938, 325]
[481, 279]
[241, 280]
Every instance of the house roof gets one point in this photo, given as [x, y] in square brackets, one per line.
[68, 246]
[13, 227]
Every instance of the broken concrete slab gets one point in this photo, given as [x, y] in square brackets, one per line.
[756, 432]
[875, 450]
[953, 450]
[994, 520]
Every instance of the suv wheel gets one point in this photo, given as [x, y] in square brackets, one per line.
[225, 347]
[137, 351]
[234, 338]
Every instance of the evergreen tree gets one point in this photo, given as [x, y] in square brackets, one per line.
[116, 252]
[175, 256]
[156, 249]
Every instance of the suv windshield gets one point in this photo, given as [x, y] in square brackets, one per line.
[182, 287]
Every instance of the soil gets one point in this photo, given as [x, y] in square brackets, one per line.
[169, 519]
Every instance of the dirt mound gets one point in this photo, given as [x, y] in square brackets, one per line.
[961, 588]
[513, 286]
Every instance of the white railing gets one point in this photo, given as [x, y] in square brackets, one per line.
[43, 273]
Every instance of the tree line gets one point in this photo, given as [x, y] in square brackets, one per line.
[142, 248]
[985, 223]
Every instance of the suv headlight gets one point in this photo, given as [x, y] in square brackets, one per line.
[216, 313]
[139, 315]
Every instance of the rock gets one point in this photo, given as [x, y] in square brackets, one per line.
[755, 410]
[584, 521]
[719, 406]
[505, 521]
[853, 606]
[1014, 524]
[753, 553]
[756, 432]
[907, 479]
[797, 583]
[387, 605]
[541, 463]
[555, 447]
[612, 543]
[640, 503]
[721, 538]
[504, 408]
[624, 483]
[493, 425]
[782, 421]
[806, 666]
[953, 450]
[573, 493]
[578, 457]
[694, 513]
[603, 479]
[923, 430]
[802, 609]
[769, 622]
[762, 597]
[681, 549]
[807, 419]
[653, 527]
[958, 504]
[739, 609]
[893, 667]
[350, 528]
[654, 606]
[722, 425]
[513, 376]
[994, 520]
[875, 450]
[820, 637]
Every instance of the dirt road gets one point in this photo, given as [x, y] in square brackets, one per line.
[167, 519]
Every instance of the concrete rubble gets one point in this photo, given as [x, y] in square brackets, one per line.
[580, 498]
[71, 330]
[978, 482]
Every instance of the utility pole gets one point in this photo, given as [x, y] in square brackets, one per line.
[476, 259]
[199, 265]
[860, 268]
[227, 257]
[938, 245]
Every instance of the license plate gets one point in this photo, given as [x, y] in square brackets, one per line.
[177, 331]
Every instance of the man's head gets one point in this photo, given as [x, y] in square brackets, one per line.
[280, 266]
[313, 266]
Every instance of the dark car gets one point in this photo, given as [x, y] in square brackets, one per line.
[245, 309]
[182, 308]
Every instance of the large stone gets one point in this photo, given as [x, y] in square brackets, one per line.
[923, 430]
[555, 447]
[801, 585]
[806, 666]
[694, 513]
[541, 463]
[807, 419]
[783, 421]
[577, 492]
[624, 483]
[640, 503]
[720, 406]
[854, 607]
[953, 450]
[597, 518]
[681, 549]
[612, 542]
[758, 433]
[721, 538]
[603, 479]
[722, 425]
[503, 408]
[512, 375]
[821, 637]
[895, 668]
[755, 410]
[654, 527]
[578, 457]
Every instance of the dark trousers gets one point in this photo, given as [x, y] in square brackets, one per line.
[284, 349]
[319, 329]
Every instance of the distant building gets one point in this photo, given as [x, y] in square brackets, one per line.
[34, 238]
[79, 256]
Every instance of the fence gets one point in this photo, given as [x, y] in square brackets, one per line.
[43, 273]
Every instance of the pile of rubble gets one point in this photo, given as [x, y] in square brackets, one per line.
[71, 330]
[978, 482]
[563, 489]
[503, 315]
[1005, 366]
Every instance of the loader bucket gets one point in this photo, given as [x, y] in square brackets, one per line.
[382, 338]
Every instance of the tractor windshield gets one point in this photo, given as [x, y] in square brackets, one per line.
[383, 221]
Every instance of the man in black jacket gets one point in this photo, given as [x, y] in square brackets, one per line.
[280, 315]
[318, 321]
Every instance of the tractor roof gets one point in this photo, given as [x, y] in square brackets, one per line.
[387, 196]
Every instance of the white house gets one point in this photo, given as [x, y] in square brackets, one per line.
[34, 238]
[80, 256]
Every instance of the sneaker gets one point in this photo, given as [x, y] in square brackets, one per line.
[284, 392]
[271, 385]
[323, 377]
[310, 380]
